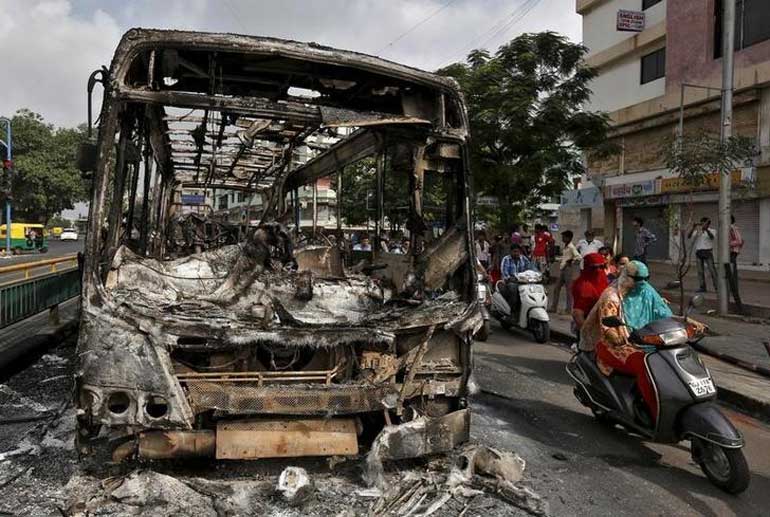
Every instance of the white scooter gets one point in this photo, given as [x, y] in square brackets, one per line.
[533, 300]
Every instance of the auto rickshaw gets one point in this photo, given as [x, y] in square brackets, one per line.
[26, 237]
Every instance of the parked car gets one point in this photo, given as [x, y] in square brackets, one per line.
[69, 234]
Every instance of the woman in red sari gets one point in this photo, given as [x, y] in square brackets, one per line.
[587, 289]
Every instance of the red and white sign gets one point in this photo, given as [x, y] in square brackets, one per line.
[630, 21]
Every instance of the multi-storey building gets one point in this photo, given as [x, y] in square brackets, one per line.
[643, 78]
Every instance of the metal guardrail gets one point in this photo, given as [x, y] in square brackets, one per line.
[23, 298]
[28, 267]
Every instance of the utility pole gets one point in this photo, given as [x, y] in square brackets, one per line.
[7, 168]
[725, 176]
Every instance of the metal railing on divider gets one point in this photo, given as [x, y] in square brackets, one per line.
[20, 299]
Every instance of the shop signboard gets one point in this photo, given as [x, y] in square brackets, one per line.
[710, 182]
[590, 197]
[642, 188]
[630, 21]
[193, 199]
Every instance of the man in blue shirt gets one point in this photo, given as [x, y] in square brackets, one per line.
[514, 263]
[510, 266]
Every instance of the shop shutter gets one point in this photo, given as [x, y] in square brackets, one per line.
[746, 217]
[656, 221]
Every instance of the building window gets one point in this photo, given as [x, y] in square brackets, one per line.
[241, 197]
[654, 65]
[752, 24]
[646, 4]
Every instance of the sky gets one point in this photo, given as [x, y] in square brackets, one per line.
[49, 47]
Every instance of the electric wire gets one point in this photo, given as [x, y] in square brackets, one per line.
[525, 11]
[415, 26]
[235, 16]
[496, 30]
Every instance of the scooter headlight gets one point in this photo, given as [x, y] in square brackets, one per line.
[652, 339]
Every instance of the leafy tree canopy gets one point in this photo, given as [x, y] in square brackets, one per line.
[527, 121]
[694, 157]
[359, 198]
[45, 179]
[60, 221]
[359, 194]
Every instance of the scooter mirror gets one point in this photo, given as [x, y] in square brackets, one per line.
[697, 301]
[612, 322]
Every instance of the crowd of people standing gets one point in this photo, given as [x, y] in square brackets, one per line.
[506, 255]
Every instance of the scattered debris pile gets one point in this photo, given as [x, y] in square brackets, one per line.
[40, 473]
[480, 478]
[478, 470]
[295, 485]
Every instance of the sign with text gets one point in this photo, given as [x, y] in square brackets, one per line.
[642, 188]
[710, 182]
[630, 21]
[193, 199]
[582, 198]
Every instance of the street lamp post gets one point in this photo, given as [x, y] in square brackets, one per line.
[8, 143]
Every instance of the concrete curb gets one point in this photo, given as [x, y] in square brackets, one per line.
[744, 403]
[751, 406]
[34, 343]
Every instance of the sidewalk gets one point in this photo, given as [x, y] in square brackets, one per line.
[737, 386]
[35, 333]
[754, 288]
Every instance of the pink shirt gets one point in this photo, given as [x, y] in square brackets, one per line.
[736, 239]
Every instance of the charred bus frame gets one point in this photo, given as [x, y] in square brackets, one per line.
[262, 347]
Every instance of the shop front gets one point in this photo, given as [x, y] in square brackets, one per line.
[702, 201]
[664, 202]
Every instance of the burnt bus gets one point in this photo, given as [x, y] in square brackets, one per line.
[255, 330]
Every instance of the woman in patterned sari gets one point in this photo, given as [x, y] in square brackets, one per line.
[633, 300]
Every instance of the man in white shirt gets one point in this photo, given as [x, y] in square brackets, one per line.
[703, 242]
[570, 259]
[482, 249]
[363, 245]
[588, 245]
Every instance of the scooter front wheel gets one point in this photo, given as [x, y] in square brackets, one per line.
[540, 330]
[725, 467]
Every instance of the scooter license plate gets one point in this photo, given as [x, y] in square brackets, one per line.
[702, 387]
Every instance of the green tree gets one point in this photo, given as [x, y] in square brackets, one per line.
[59, 221]
[694, 159]
[529, 129]
[359, 202]
[359, 193]
[45, 180]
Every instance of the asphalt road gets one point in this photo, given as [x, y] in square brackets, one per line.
[55, 249]
[583, 467]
